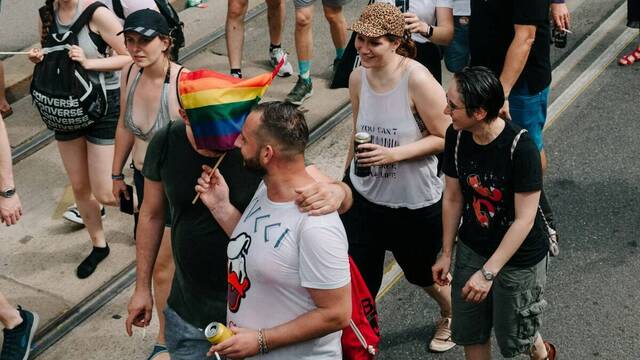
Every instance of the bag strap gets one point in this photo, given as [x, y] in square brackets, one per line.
[85, 17]
[169, 13]
[455, 153]
[513, 149]
[515, 141]
[126, 79]
[117, 8]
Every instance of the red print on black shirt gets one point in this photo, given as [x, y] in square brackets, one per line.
[485, 200]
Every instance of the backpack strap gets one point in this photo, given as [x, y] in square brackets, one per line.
[85, 17]
[126, 79]
[117, 8]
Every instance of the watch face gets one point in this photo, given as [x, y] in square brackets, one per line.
[487, 275]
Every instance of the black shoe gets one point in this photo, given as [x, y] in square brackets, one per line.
[89, 264]
[17, 341]
[302, 91]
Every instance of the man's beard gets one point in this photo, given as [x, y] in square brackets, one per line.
[253, 165]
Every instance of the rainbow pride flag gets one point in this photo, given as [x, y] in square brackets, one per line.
[217, 104]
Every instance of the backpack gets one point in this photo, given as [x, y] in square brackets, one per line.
[554, 247]
[61, 89]
[171, 15]
[361, 339]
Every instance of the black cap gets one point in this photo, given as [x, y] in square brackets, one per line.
[146, 22]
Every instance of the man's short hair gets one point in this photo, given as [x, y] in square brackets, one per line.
[283, 123]
[480, 89]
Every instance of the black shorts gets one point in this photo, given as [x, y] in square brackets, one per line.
[103, 131]
[413, 236]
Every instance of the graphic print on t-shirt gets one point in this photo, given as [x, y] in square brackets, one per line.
[262, 225]
[237, 276]
[387, 137]
[485, 200]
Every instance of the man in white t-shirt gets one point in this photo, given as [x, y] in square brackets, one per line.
[288, 272]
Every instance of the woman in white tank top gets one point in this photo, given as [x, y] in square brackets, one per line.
[398, 207]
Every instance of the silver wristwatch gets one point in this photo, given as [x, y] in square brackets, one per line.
[8, 192]
[488, 275]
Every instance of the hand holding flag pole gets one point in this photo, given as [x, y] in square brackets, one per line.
[216, 106]
[195, 199]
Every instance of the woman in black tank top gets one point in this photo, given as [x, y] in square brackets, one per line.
[87, 152]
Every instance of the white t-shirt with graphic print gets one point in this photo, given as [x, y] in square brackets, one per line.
[276, 253]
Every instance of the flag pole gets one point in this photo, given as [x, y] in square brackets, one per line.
[195, 199]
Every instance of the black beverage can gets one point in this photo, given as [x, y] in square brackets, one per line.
[359, 139]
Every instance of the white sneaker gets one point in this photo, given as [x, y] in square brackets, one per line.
[275, 56]
[72, 214]
[441, 341]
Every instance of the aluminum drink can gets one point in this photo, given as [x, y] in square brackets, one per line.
[359, 139]
[217, 333]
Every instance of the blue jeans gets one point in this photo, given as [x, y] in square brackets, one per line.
[184, 341]
[529, 111]
[456, 55]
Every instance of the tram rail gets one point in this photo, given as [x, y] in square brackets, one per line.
[72, 318]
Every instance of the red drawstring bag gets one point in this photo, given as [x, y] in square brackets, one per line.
[361, 339]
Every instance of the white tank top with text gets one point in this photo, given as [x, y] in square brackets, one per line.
[387, 117]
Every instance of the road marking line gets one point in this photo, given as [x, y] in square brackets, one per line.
[390, 278]
[579, 53]
[585, 79]
[66, 201]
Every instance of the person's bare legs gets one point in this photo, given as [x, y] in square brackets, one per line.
[74, 157]
[162, 279]
[275, 17]
[9, 315]
[234, 26]
[442, 296]
[99, 158]
[303, 33]
[478, 352]
[4, 104]
[337, 25]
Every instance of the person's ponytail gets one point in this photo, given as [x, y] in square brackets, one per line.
[46, 14]
[407, 46]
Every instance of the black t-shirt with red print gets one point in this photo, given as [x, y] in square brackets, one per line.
[489, 179]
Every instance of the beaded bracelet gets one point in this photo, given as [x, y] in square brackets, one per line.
[262, 342]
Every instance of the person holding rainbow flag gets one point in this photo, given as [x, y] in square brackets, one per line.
[214, 109]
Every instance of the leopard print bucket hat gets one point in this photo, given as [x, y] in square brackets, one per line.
[379, 19]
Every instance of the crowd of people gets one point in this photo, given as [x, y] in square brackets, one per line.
[456, 170]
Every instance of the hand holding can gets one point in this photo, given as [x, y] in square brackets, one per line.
[217, 333]
[359, 139]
